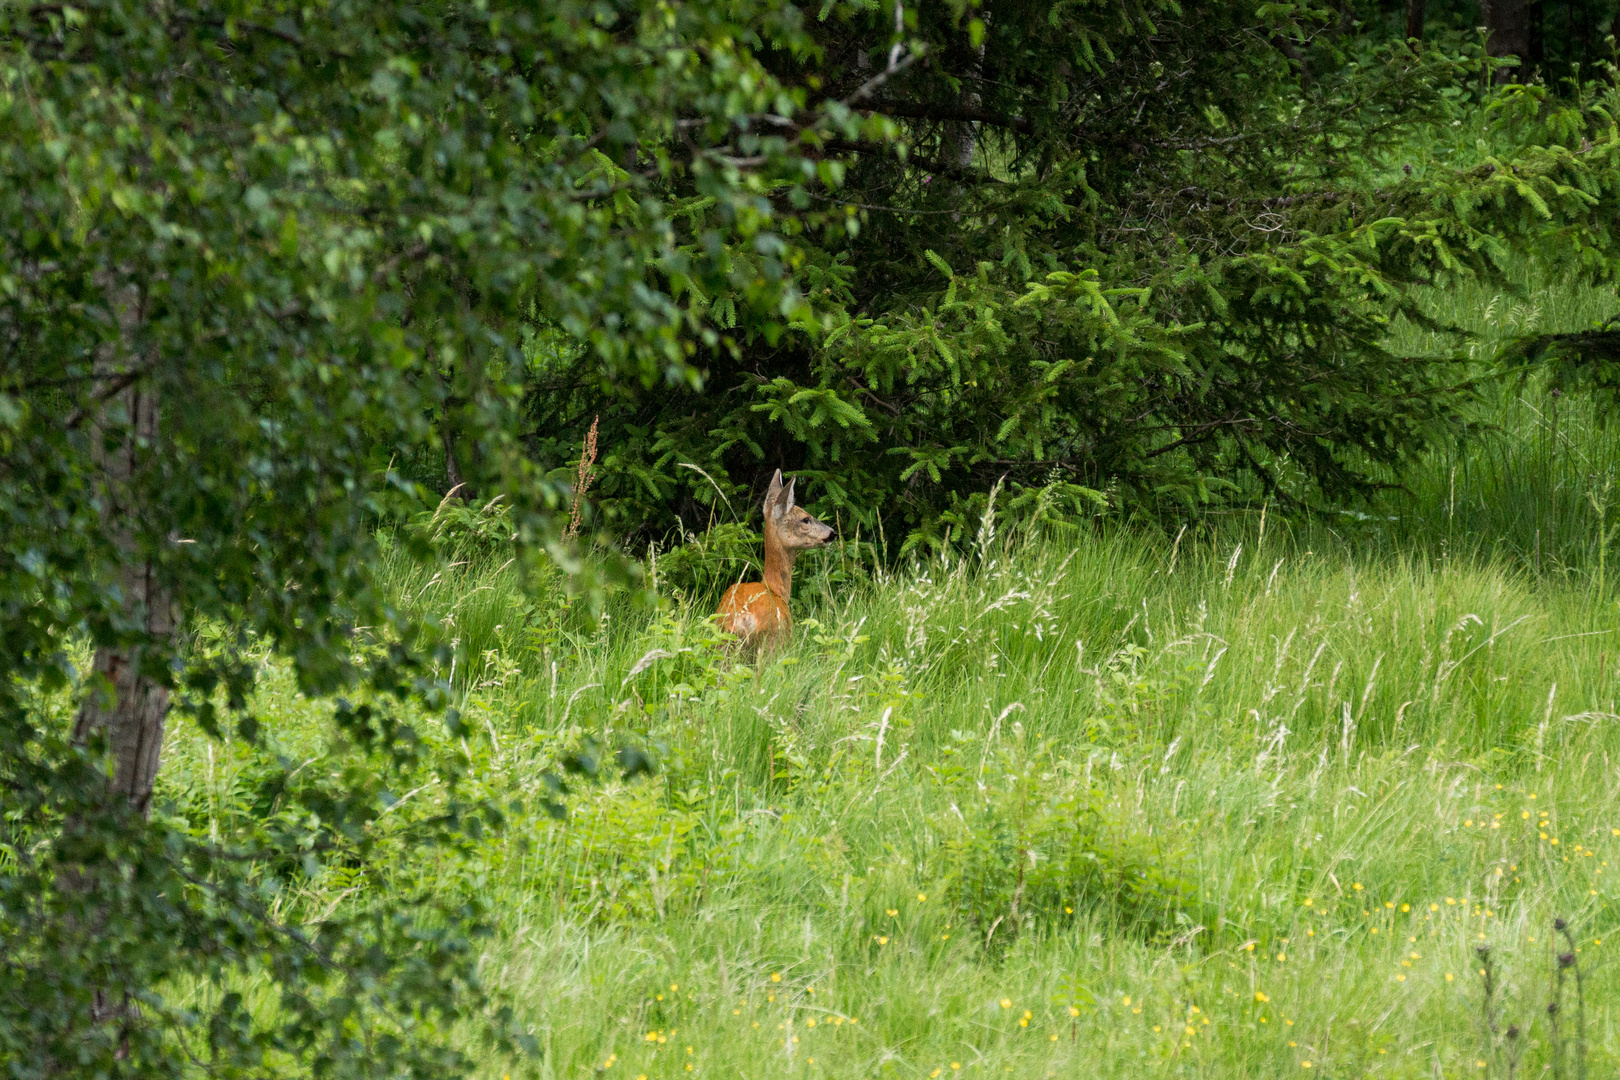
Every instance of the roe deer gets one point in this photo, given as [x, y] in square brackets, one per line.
[757, 612]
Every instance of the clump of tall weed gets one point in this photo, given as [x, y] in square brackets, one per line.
[686, 664]
[1559, 1032]
[639, 851]
[1029, 843]
[699, 570]
[465, 529]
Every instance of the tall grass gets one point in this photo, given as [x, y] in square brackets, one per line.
[1346, 759]
[1534, 476]
[1314, 766]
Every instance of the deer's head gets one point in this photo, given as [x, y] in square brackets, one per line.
[791, 525]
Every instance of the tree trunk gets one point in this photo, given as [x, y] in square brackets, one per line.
[131, 717]
[1514, 27]
[455, 399]
[962, 137]
[1415, 10]
[126, 713]
[964, 134]
[452, 465]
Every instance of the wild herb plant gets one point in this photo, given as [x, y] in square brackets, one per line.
[1026, 843]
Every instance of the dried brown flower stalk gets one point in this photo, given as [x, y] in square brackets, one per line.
[582, 481]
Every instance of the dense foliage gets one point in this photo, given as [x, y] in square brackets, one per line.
[1145, 256]
[266, 270]
[251, 255]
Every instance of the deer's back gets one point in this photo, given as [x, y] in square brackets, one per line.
[754, 614]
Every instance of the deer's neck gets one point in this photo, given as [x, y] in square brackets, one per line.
[778, 567]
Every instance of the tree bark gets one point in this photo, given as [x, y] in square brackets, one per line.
[132, 716]
[450, 430]
[452, 466]
[966, 132]
[1415, 10]
[127, 711]
[1514, 28]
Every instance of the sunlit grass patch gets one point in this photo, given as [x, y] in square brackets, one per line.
[1335, 779]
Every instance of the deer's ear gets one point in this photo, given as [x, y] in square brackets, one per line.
[787, 497]
[773, 495]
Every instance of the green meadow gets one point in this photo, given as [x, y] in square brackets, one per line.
[1103, 803]
[1301, 790]
[1222, 680]
[1262, 797]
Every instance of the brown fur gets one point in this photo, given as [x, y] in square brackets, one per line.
[757, 612]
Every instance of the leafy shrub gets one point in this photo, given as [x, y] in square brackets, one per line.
[702, 568]
[640, 851]
[1029, 843]
[463, 528]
